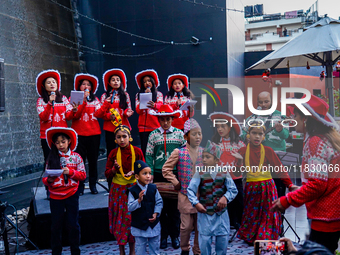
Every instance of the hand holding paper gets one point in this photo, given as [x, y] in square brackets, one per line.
[188, 104]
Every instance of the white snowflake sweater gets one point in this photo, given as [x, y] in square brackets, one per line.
[321, 192]
[85, 121]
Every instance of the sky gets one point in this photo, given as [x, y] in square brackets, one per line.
[330, 7]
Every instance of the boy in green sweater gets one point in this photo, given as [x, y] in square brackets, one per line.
[162, 141]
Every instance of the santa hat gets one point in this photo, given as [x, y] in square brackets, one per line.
[115, 71]
[85, 76]
[166, 110]
[226, 116]
[68, 131]
[180, 76]
[44, 75]
[148, 72]
[319, 110]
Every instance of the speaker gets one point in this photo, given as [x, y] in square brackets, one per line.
[2, 85]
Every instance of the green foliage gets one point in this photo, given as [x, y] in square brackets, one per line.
[336, 94]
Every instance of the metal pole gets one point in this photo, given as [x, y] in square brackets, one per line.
[329, 82]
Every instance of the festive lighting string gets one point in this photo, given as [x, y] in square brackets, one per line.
[210, 6]
[120, 30]
[31, 52]
[78, 45]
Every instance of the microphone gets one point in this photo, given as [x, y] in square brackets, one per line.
[113, 95]
[259, 108]
[179, 97]
[88, 97]
[52, 93]
[63, 164]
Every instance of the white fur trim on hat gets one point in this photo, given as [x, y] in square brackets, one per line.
[86, 74]
[118, 69]
[47, 71]
[153, 112]
[147, 70]
[176, 74]
[61, 130]
[228, 115]
[332, 124]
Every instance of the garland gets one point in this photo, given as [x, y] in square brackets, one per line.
[119, 161]
[247, 162]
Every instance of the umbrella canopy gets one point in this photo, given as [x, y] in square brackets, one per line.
[319, 44]
[311, 46]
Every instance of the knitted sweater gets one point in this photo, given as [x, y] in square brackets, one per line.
[226, 158]
[211, 190]
[156, 154]
[53, 117]
[146, 121]
[275, 140]
[84, 121]
[58, 189]
[178, 122]
[104, 112]
[322, 190]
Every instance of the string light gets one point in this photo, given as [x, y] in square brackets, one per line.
[212, 6]
[92, 50]
[119, 30]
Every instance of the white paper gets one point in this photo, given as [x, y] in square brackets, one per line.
[187, 105]
[77, 97]
[53, 172]
[144, 98]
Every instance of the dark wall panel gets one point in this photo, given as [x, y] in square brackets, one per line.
[162, 20]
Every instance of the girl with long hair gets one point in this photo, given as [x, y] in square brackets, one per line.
[116, 105]
[320, 189]
[178, 94]
[85, 123]
[120, 170]
[52, 106]
[63, 189]
[147, 82]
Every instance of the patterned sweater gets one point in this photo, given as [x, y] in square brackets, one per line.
[146, 121]
[178, 122]
[104, 113]
[226, 158]
[322, 190]
[56, 117]
[275, 140]
[211, 190]
[156, 154]
[58, 189]
[85, 121]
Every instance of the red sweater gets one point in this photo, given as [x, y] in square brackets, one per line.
[226, 157]
[85, 121]
[104, 113]
[126, 160]
[270, 159]
[178, 122]
[61, 113]
[146, 121]
[322, 190]
[58, 189]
